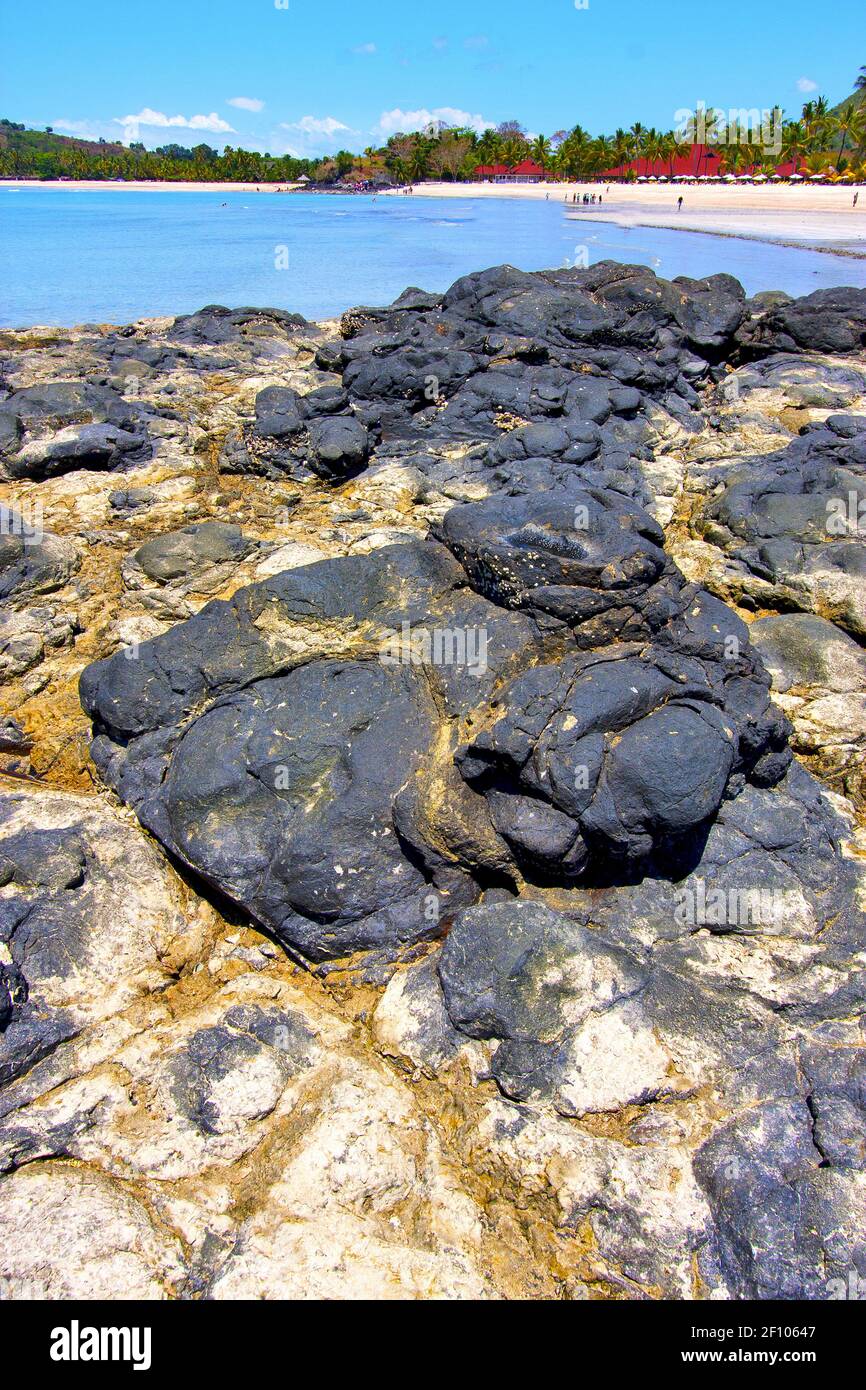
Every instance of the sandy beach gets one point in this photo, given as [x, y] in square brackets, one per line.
[147, 186]
[800, 214]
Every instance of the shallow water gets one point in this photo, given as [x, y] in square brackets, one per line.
[70, 256]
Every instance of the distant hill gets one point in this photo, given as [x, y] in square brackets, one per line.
[43, 154]
[16, 137]
[840, 109]
[852, 100]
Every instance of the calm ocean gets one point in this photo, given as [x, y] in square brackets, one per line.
[74, 257]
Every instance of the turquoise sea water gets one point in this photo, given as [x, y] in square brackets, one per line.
[70, 256]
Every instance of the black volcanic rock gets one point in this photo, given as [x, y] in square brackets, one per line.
[216, 324]
[663, 728]
[190, 551]
[525, 774]
[576, 345]
[340, 445]
[577, 557]
[593, 714]
[295, 820]
[52, 429]
[831, 321]
[32, 561]
[298, 437]
[795, 520]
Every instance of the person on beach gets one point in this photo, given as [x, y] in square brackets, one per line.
[680, 203]
[856, 196]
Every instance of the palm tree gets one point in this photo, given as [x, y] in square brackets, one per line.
[621, 148]
[489, 146]
[860, 86]
[735, 157]
[717, 131]
[605, 153]
[816, 115]
[541, 150]
[581, 144]
[816, 163]
[793, 144]
[654, 148]
[512, 151]
[850, 122]
[419, 163]
[637, 132]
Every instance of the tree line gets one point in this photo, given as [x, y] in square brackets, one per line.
[818, 140]
[28, 154]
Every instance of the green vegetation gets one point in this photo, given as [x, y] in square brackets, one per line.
[820, 140]
[32, 154]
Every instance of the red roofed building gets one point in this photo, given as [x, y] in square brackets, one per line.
[701, 159]
[525, 172]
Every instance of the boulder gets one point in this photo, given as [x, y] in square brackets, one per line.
[189, 552]
[49, 430]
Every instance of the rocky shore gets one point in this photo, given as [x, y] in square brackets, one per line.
[432, 850]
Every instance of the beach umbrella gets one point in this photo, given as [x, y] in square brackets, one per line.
[798, 178]
[663, 178]
[775, 178]
[730, 178]
[817, 178]
[760, 178]
[641, 178]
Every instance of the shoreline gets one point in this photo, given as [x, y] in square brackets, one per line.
[801, 217]
[818, 218]
[744, 236]
[148, 186]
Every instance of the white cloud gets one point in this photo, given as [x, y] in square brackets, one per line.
[312, 136]
[805, 84]
[314, 125]
[365, 48]
[476, 41]
[440, 43]
[148, 117]
[390, 122]
[246, 103]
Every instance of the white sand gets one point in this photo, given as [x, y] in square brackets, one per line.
[808, 214]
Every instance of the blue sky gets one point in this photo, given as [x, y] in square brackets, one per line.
[311, 76]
